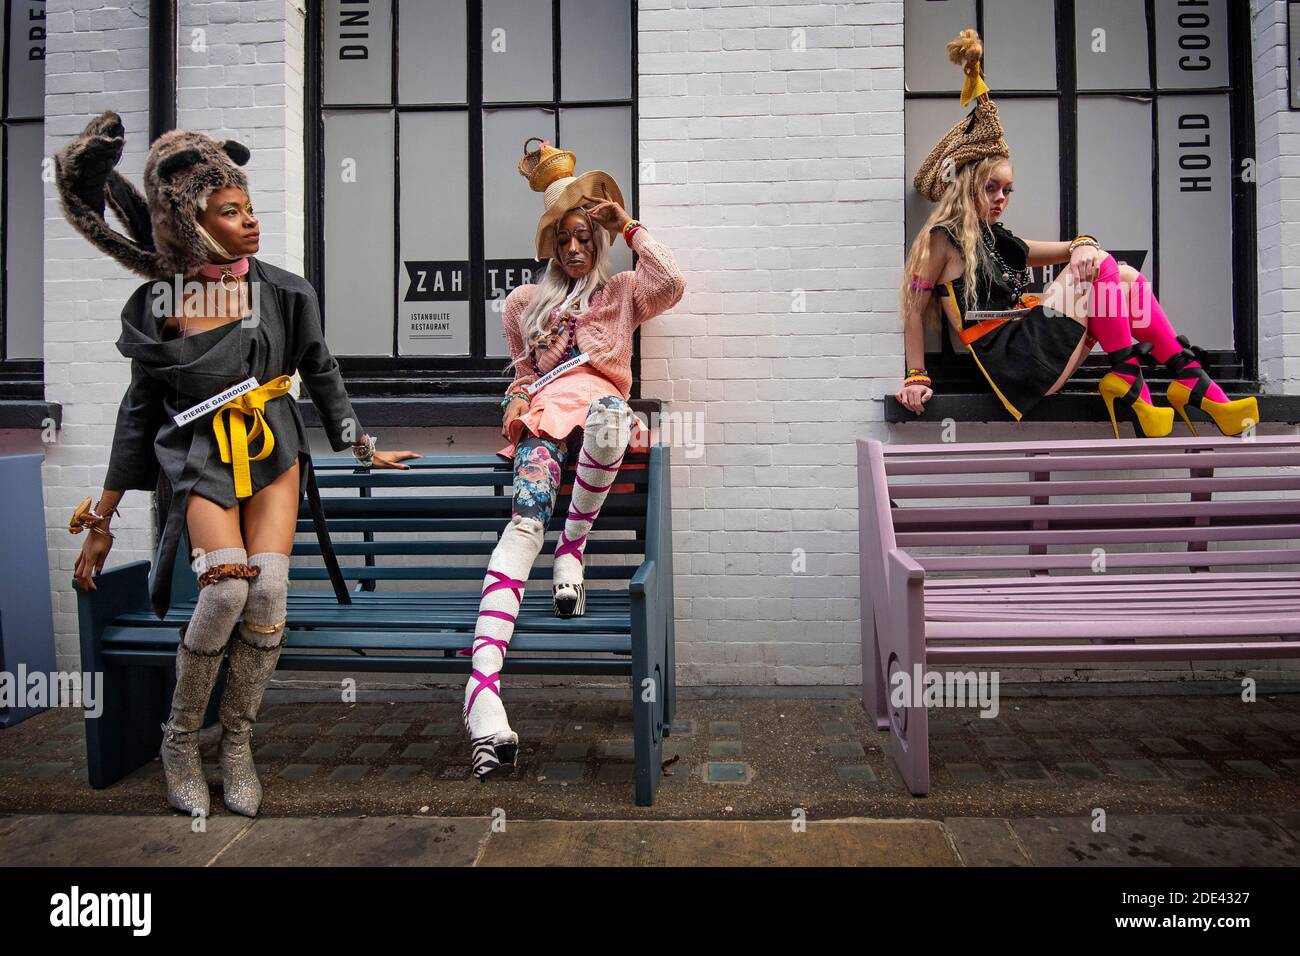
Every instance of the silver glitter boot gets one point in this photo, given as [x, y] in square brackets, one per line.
[187, 790]
[250, 671]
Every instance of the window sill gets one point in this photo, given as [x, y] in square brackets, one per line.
[1061, 407]
[449, 411]
[20, 413]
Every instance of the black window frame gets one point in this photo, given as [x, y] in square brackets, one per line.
[21, 379]
[438, 376]
[1236, 369]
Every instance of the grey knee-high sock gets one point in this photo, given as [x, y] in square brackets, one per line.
[220, 603]
[268, 597]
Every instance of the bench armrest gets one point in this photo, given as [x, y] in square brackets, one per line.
[903, 564]
[645, 579]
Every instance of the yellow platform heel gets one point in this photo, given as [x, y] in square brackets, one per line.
[1231, 418]
[1149, 421]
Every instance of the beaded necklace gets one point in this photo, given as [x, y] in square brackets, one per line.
[1018, 279]
[544, 341]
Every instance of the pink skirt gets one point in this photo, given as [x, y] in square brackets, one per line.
[562, 406]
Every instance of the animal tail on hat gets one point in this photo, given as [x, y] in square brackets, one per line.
[86, 178]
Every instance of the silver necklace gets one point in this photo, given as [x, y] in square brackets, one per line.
[1017, 279]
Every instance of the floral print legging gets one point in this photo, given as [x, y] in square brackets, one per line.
[538, 462]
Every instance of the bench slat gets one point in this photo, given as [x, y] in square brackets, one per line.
[1100, 536]
[417, 573]
[594, 666]
[1155, 559]
[1115, 486]
[1101, 462]
[1084, 630]
[616, 522]
[632, 474]
[1232, 579]
[1051, 445]
[1127, 513]
[453, 506]
[1054, 654]
[300, 639]
[445, 548]
[447, 462]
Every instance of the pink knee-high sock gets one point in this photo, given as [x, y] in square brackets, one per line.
[1150, 324]
[1108, 320]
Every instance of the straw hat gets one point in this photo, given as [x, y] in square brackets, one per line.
[979, 136]
[550, 171]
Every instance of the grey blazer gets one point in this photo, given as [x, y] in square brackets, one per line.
[169, 375]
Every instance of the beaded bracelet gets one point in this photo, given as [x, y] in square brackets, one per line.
[630, 230]
[511, 396]
[1084, 240]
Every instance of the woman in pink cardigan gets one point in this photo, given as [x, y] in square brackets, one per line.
[570, 339]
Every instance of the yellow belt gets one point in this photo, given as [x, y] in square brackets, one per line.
[234, 451]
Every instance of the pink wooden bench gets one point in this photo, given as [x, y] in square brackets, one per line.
[1201, 559]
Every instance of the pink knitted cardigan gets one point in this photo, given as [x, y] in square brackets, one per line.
[605, 329]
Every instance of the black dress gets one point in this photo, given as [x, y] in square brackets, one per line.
[170, 374]
[1022, 358]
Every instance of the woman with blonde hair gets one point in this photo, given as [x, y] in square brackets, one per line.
[965, 261]
[570, 339]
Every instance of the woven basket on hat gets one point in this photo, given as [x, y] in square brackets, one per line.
[978, 136]
[550, 171]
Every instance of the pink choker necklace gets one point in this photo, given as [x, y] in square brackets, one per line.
[215, 270]
[226, 270]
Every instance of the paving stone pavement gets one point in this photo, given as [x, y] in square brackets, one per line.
[1154, 840]
[748, 758]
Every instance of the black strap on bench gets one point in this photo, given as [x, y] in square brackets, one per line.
[323, 536]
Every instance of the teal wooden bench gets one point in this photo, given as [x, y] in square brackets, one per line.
[435, 524]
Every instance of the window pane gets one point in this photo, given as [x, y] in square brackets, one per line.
[24, 197]
[358, 176]
[1033, 132]
[431, 51]
[602, 139]
[1196, 217]
[358, 52]
[510, 211]
[1111, 45]
[1019, 45]
[517, 51]
[26, 59]
[1114, 191]
[927, 26]
[596, 49]
[1191, 44]
[433, 284]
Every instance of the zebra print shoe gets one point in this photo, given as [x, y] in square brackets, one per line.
[493, 752]
[569, 600]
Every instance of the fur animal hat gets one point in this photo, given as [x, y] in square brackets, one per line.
[182, 169]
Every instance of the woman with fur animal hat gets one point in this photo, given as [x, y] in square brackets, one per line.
[965, 259]
[231, 449]
[570, 339]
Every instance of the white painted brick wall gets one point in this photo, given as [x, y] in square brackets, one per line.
[239, 75]
[97, 58]
[776, 132]
[1278, 191]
